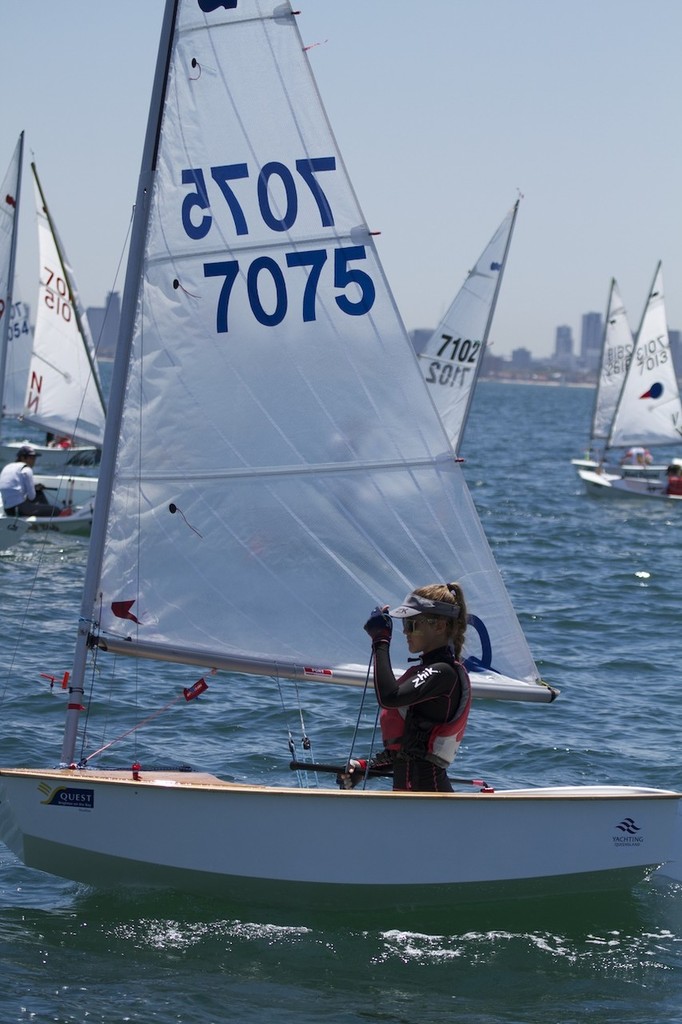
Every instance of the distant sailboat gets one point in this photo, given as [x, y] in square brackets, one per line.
[617, 346]
[452, 357]
[64, 394]
[648, 411]
[254, 537]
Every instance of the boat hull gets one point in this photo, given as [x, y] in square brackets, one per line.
[54, 459]
[332, 848]
[610, 485]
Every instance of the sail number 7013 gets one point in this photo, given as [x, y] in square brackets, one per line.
[264, 276]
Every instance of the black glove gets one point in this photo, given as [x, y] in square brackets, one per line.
[355, 773]
[379, 625]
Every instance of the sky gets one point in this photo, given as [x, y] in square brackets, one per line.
[444, 110]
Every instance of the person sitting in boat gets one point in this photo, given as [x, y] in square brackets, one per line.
[60, 441]
[637, 457]
[21, 496]
[674, 474]
[425, 711]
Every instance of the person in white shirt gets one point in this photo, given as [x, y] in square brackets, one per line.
[19, 493]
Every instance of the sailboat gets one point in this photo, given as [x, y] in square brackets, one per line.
[452, 357]
[63, 393]
[617, 346]
[11, 530]
[648, 410]
[261, 489]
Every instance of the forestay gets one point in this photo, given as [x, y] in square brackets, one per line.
[451, 359]
[649, 409]
[63, 394]
[279, 466]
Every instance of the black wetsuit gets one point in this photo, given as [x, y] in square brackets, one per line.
[433, 693]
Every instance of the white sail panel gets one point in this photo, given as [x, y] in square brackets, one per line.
[616, 352]
[280, 464]
[62, 395]
[649, 411]
[14, 330]
[452, 357]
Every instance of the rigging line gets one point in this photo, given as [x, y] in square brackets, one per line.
[134, 728]
[362, 704]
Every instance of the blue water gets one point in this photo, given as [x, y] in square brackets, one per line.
[595, 584]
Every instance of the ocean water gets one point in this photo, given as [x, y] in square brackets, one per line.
[596, 586]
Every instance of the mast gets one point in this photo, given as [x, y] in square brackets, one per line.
[601, 363]
[119, 377]
[488, 325]
[75, 304]
[4, 340]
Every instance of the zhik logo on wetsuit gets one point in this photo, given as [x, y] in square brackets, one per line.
[422, 676]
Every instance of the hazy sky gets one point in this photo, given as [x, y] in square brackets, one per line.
[443, 110]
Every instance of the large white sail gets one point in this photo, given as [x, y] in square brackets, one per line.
[451, 359]
[64, 394]
[649, 410]
[14, 330]
[616, 352]
[268, 487]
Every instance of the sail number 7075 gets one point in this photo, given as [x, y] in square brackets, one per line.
[264, 276]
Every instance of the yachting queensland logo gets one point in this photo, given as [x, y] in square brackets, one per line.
[627, 833]
[68, 796]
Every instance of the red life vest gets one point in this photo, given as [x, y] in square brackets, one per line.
[443, 739]
[675, 485]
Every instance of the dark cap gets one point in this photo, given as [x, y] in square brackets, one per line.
[416, 605]
[25, 451]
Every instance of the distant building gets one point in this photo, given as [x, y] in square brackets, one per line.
[521, 359]
[591, 338]
[104, 323]
[563, 348]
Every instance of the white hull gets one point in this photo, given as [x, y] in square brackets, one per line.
[12, 531]
[55, 459]
[198, 833]
[78, 523]
[66, 490]
[612, 469]
[611, 485]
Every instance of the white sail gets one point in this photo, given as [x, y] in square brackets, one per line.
[649, 409]
[265, 394]
[64, 394]
[616, 352]
[451, 359]
[14, 330]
